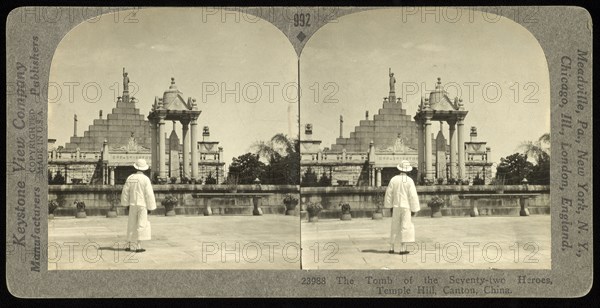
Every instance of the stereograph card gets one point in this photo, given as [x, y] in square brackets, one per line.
[299, 152]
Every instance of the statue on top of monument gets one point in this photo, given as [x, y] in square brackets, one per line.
[392, 82]
[125, 81]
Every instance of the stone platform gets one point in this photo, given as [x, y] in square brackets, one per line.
[441, 243]
[179, 242]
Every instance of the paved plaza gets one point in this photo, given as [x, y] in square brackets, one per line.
[442, 243]
[180, 242]
[272, 242]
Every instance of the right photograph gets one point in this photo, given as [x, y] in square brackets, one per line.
[425, 143]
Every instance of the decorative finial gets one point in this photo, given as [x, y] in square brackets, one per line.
[439, 83]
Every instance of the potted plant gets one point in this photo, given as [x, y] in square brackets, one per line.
[313, 210]
[52, 206]
[169, 202]
[290, 203]
[113, 200]
[436, 203]
[80, 213]
[378, 214]
[345, 211]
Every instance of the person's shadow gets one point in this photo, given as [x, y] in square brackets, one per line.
[375, 251]
[111, 248]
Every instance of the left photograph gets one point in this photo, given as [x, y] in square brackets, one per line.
[173, 144]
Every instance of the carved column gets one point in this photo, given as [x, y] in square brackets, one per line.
[371, 176]
[162, 171]
[194, 128]
[428, 164]
[421, 158]
[461, 149]
[452, 140]
[377, 177]
[153, 149]
[112, 175]
[186, 148]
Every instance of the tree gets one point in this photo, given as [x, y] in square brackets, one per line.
[309, 178]
[324, 180]
[246, 168]
[514, 168]
[210, 179]
[478, 180]
[540, 151]
[537, 149]
[59, 179]
[282, 158]
[540, 174]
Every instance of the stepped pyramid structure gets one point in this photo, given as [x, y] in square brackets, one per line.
[390, 124]
[369, 156]
[104, 155]
[384, 130]
[117, 128]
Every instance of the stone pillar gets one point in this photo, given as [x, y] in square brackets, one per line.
[371, 176]
[421, 158]
[452, 140]
[75, 125]
[461, 149]
[377, 177]
[104, 175]
[162, 171]
[186, 149]
[427, 154]
[153, 149]
[194, 128]
[112, 175]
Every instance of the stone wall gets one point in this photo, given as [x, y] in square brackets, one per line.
[97, 198]
[363, 200]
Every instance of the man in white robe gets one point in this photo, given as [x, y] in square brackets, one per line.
[401, 197]
[138, 195]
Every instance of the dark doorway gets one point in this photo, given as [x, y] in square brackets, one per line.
[388, 173]
[122, 172]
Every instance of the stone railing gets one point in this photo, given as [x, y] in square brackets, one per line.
[364, 200]
[97, 198]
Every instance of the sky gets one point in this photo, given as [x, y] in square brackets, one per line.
[347, 61]
[356, 52]
[205, 56]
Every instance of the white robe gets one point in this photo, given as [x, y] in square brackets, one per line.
[139, 197]
[401, 195]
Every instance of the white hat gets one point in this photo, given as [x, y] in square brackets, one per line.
[404, 166]
[141, 165]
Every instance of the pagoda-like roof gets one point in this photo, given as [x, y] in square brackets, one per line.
[438, 106]
[173, 106]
